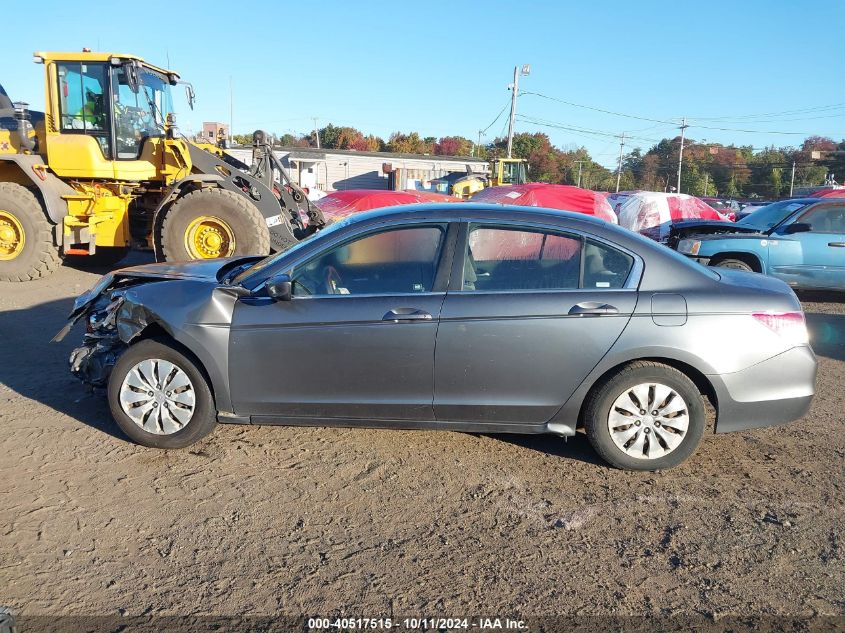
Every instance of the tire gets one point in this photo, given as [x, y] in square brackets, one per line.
[654, 443]
[225, 210]
[171, 431]
[21, 213]
[105, 257]
[734, 264]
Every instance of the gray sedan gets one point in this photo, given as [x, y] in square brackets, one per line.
[458, 317]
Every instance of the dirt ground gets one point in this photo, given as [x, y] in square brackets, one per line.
[377, 523]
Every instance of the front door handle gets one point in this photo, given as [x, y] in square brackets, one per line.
[592, 308]
[406, 314]
[836, 244]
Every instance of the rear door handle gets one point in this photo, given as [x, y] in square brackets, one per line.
[406, 314]
[836, 244]
[592, 308]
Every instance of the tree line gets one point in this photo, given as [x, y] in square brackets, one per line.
[711, 169]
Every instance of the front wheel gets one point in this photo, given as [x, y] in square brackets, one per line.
[210, 223]
[734, 264]
[648, 416]
[159, 397]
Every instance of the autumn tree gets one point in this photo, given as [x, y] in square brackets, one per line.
[408, 144]
[453, 146]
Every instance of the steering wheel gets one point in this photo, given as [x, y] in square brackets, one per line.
[332, 280]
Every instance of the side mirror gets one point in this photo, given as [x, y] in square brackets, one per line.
[797, 227]
[280, 287]
[131, 71]
[190, 95]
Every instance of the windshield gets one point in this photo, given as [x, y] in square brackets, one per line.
[139, 114]
[268, 261]
[513, 173]
[771, 215]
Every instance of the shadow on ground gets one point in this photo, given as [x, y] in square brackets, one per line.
[827, 334]
[575, 448]
[820, 296]
[36, 368]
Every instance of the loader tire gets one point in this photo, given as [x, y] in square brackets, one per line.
[210, 223]
[26, 236]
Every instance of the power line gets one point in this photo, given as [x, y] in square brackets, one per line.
[586, 107]
[641, 118]
[730, 129]
[561, 126]
[504, 107]
[822, 108]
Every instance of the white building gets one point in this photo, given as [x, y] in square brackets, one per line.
[336, 169]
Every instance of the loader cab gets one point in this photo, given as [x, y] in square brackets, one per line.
[108, 115]
[509, 171]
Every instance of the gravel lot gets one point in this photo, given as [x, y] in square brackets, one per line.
[316, 521]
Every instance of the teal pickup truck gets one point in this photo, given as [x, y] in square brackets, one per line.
[801, 241]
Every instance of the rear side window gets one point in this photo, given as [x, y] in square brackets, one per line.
[510, 259]
[502, 259]
[605, 267]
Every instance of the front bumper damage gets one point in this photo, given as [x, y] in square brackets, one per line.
[112, 321]
[92, 362]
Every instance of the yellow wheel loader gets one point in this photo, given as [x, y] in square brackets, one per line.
[503, 171]
[104, 167]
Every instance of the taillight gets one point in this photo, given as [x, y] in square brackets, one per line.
[789, 325]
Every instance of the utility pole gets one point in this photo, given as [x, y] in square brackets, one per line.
[580, 162]
[316, 131]
[619, 170]
[706, 178]
[792, 180]
[517, 71]
[684, 126]
[478, 146]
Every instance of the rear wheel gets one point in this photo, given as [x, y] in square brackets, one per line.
[735, 264]
[210, 223]
[159, 397]
[26, 237]
[648, 416]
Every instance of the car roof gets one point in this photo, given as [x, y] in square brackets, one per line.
[470, 211]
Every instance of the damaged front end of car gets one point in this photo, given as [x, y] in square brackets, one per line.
[101, 347]
[187, 302]
[112, 321]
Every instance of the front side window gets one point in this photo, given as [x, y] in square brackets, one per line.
[825, 219]
[398, 261]
[510, 259]
[83, 91]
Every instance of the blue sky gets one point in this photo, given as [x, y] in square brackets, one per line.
[442, 68]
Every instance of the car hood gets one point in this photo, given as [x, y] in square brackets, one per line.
[203, 270]
[754, 235]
